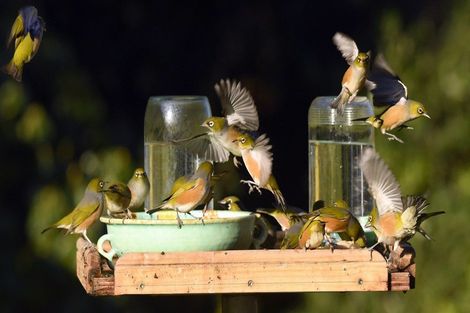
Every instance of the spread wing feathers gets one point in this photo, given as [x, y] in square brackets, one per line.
[263, 156]
[216, 151]
[206, 147]
[385, 85]
[346, 46]
[237, 104]
[420, 202]
[382, 184]
[17, 30]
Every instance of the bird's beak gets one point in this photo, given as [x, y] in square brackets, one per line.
[236, 140]
[223, 201]
[427, 115]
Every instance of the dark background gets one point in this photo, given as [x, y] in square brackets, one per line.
[79, 113]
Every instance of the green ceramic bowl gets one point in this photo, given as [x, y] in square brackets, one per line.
[159, 232]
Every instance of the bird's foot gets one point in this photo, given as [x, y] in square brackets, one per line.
[252, 186]
[86, 237]
[236, 162]
[393, 137]
[129, 214]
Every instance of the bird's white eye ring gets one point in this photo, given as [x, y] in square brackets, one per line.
[210, 123]
[101, 184]
[420, 111]
[242, 140]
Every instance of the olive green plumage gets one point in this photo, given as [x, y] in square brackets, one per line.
[85, 213]
[139, 186]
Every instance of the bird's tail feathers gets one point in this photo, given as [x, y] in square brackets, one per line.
[424, 216]
[281, 201]
[47, 228]
[151, 211]
[14, 71]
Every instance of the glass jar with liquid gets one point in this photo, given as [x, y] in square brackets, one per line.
[168, 119]
[336, 143]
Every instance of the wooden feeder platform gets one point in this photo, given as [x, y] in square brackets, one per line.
[242, 272]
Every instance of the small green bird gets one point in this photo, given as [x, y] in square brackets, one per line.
[27, 33]
[286, 219]
[388, 90]
[312, 234]
[339, 219]
[240, 115]
[292, 234]
[258, 160]
[139, 186]
[232, 203]
[87, 211]
[394, 219]
[304, 234]
[355, 76]
[189, 193]
[117, 197]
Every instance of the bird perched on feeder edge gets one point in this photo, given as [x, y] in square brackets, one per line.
[286, 219]
[189, 193]
[388, 90]
[87, 211]
[117, 197]
[232, 203]
[355, 75]
[27, 31]
[240, 116]
[139, 186]
[258, 159]
[394, 219]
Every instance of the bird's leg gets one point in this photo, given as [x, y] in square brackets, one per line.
[393, 137]
[252, 185]
[352, 96]
[129, 214]
[180, 222]
[198, 218]
[86, 237]
[330, 242]
[236, 162]
[371, 249]
[373, 246]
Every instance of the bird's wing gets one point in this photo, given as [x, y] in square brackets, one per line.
[86, 207]
[336, 213]
[237, 104]
[216, 151]
[261, 152]
[420, 202]
[17, 30]
[382, 184]
[385, 85]
[179, 182]
[346, 46]
[291, 238]
[206, 147]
